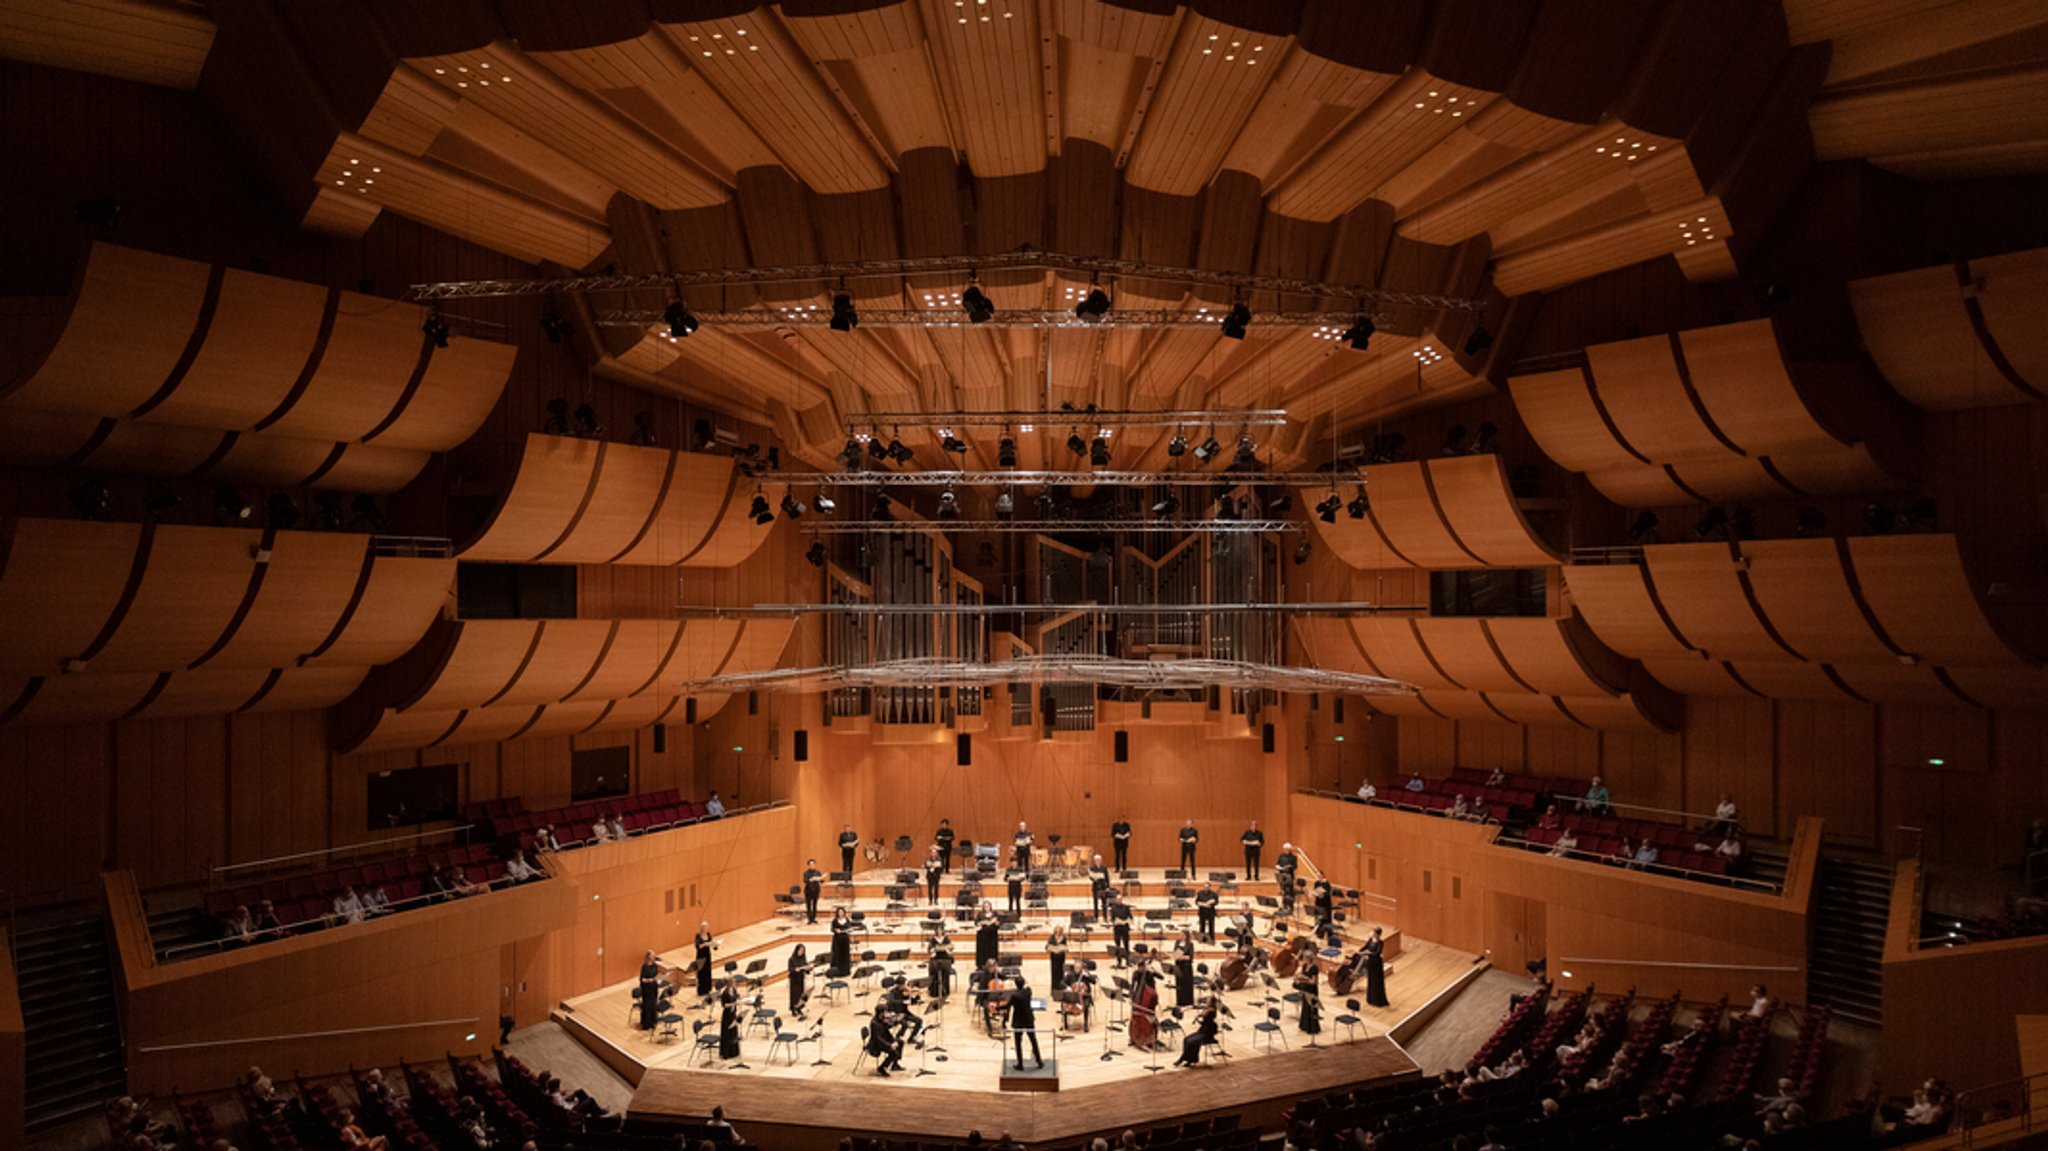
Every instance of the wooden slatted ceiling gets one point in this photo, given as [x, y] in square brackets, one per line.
[1461, 647]
[992, 75]
[262, 334]
[1702, 589]
[1559, 409]
[483, 658]
[1406, 510]
[1924, 129]
[1918, 328]
[402, 596]
[566, 653]
[1543, 654]
[458, 391]
[1393, 646]
[649, 79]
[1606, 248]
[1406, 121]
[1921, 592]
[369, 355]
[1212, 80]
[61, 586]
[1309, 98]
[1473, 494]
[162, 43]
[1560, 183]
[112, 356]
[306, 587]
[628, 485]
[1804, 590]
[1640, 384]
[1328, 642]
[1740, 376]
[192, 585]
[2014, 296]
[1616, 603]
[877, 59]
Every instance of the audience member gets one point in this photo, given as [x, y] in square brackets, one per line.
[267, 922]
[1417, 783]
[1550, 820]
[1460, 809]
[1597, 801]
[544, 839]
[1646, 854]
[1775, 1103]
[617, 827]
[518, 869]
[238, 926]
[348, 906]
[714, 807]
[1499, 778]
[352, 1136]
[600, 831]
[1723, 822]
[1567, 841]
[375, 902]
[1367, 792]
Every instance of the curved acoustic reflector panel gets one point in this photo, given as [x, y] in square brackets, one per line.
[1456, 512]
[1963, 335]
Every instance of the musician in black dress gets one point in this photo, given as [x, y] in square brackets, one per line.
[1184, 970]
[987, 936]
[1254, 842]
[814, 886]
[1205, 911]
[1120, 928]
[849, 842]
[799, 974]
[703, 964]
[1188, 838]
[938, 968]
[1200, 1035]
[650, 990]
[1307, 980]
[1283, 874]
[943, 837]
[1120, 843]
[934, 870]
[1098, 887]
[1375, 970]
[1020, 849]
[1056, 951]
[842, 944]
[729, 1020]
[1024, 1023]
[1013, 880]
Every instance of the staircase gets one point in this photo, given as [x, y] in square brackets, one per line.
[75, 1057]
[1766, 865]
[1846, 964]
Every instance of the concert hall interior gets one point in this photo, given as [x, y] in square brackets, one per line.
[912, 574]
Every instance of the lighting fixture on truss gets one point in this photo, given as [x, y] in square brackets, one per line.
[1140, 674]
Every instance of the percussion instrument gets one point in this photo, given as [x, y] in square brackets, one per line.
[1233, 973]
[1040, 857]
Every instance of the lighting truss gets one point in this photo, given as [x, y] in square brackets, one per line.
[1089, 267]
[1142, 674]
[1208, 526]
[1246, 418]
[1064, 318]
[1001, 609]
[1027, 478]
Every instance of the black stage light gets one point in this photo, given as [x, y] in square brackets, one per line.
[1247, 457]
[1712, 522]
[954, 444]
[844, 318]
[1226, 508]
[1093, 307]
[1098, 450]
[1643, 529]
[435, 328]
[643, 429]
[229, 504]
[702, 436]
[281, 512]
[1166, 506]
[1359, 334]
[1327, 507]
[898, 452]
[1236, 322]
[1006, 452]
[825, 504]
[1076, 444]
[1207, 450]
[793, 507]
[1177, 446]
[160, 499]
[877, 448]
[760, 510]
[979, 308]
[1743, 523]
[1046, 504]
[556, 325]
[1478, 341]
[1281, 504]
[1359, 505]
[680, 321]
[816, 553]
[367, 513]
[882, 507]
[949, 505]
[557, 423]
[850, 454]
[1301, 553]
[1923, 514]
[327, 511]
[586, 421]
[1005, 504]
[1809, 521]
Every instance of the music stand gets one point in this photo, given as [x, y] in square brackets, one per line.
[753, 972]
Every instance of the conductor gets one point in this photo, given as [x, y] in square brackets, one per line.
[1024, 1023]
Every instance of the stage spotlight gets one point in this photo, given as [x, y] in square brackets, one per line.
[557, 423]
[1359, 505]
[844, 318]
[1880, 518]
[1359, 334]
[643, 429]
[1712, 522]
[1226, 508]
[850, 454]
[1247, 457]
[1327, 508]
[1098, 450]
[1809, 521]
[367, 513]
[953, 443]
[979, 308]
[898, 452]
[825, 504]
[760, 510]
[1093, 307]
[702, 436]
[281, 512]
[949, 505]
[1488, 441]
[1454, 440]
[1643, 529]
[586, 421]
[680, 322]
[1478, 341]
[1076, 444]
[877, 448]
[1177, 446]
[1005, 504]
[556, 325]
[793, 507]
[816, 553]
[435, 328]
[229, 504]
[1166, 506]
[1046, 504]
[882, 503]
[1301, 553]
[327, 511]
[1207, 450]
[1006, 452]
[1236, 322]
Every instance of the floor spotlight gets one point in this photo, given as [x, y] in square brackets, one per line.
[557, 423]
[680, 322]
[367, 513]
[1454, 440]
[844, 318]
[877, 448]
[1006, 452]
[816, 553]
[1098, 450]
[1236, 322]
[1207, 450]
[760, 510]
[898, 452]
[1247, 457]
[850, 454]
[1712, 522]
[327, 511]
[1359, 505]
[1226, 508]
[556, 325]
[1093, 307]
[953, 443]
[1359, 334]
[825, 504]
[979, 308]
[1478, 341]
[586, 421]
[93, 500]
[1880, 518]
[1327, 508]
[435, 328]
[1809, 521]
[1487, 441]
[1005, 504]
[793, 507]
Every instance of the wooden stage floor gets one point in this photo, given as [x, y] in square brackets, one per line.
[959, 1090]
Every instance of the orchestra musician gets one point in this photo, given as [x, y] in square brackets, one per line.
[1246, 928]
[729, 1017]
[1021, 847]
[986, 987]
[1078, 996]
[934, 870]
[1200, 1035]
[814, 886]
[1024, 1022]
[1144, 1004]
[1311, 1018]
[849, 843]
[1098, 888]
[1120, 843]
[1325, 902]
[1375, 969]
[1013, 880]
[842, 944]
[1056, 951]
[1283, 873]
[1184, 970]
[799, 974]
[938, 968]
[653, 994]
[1254, 842]
[1188, 838]
[1205, 911]
[897, 996]
[1120, 928]
[943, 837]
[705, 943]
[882, 1041]
[987, 935]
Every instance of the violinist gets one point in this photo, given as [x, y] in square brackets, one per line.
[1200, 1035]
[899, 999]
[882, 1041]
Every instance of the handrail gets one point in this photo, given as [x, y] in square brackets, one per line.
[205, 1043]
[1364, 896]
[2026, 1087]
[350, 847]
[324, 921]
[1659, 868]
[427, 547]
[1777, 968]
[1704, 817]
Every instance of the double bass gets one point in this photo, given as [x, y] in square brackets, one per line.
[1283, 959]
[1233, 973]
[1145, 1011]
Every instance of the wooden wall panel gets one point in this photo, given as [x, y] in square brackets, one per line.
[13, 1050]
[1824, 755]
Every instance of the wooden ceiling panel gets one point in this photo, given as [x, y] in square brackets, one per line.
[1932, 118]
[1405, 506]
[1473, 494]
[566, 655]
[261, 336]
[1328, 642]
[159, 42]
[1559, 184]
[540, 506]
[1706, 594]
[648, 79]
[1604, 249]
[1923, 597]
[1567, 421]
[400, 597]
[306, 587]
[368, 357]
[1402, 125]
[61, 586]
[192, 585]
[1642, 387]
[1616, 602]
[1309, 99]
[1466, 653]
[1104, 93]
[132, 316]
[991, 67]
[1212, 81]
[1740, 375]
[1550, 657]
[1803, 588]
[631, 661]
[1393, 646]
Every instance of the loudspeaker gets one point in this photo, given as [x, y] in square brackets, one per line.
[801, 746]
[753, 703]
[690, 710]
[1266, 739]
[660, 738]
[1123, 747]
[1337, 708]
[963, 749]
[1315, 701]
